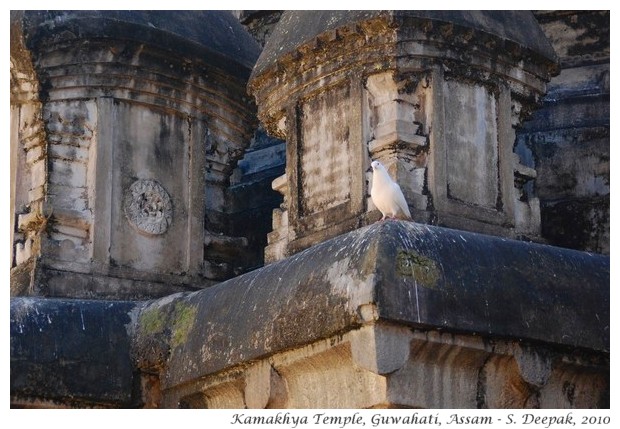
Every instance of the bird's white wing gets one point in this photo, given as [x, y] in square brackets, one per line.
[387, 195]
[399, 200]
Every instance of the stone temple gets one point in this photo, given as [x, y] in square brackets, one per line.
[191, 225]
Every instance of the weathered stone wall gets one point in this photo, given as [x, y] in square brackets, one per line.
[568, 139]
[71, 354]
[387, 366]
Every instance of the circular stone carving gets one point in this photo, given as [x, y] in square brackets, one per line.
[148, 207]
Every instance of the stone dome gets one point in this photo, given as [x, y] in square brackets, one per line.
[298, 27]
[215, 36]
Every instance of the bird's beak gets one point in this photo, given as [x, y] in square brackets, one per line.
[369, 169]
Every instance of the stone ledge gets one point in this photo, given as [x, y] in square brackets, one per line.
[410, 276]
[414, 275]
[76, 352]
[476, 283]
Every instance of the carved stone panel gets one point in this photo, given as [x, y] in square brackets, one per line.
[472, 144]
[148, 207]
[325, 160]
[150, 165]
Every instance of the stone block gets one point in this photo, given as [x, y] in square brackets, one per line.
[472, 145]
[226, 395]
[71, 231]
[67, 248]
[318, 380]
[275, 236]
[257, 389]
[70, 198]
[36, 193]
[67, 173]
[65, 152]
[381, 349]
[325, 178]
[276, 250]
[279, 219]
[29, 113]
[437, 376]
[573, 387]
[279, 184]
[391, 115]
[524, 213]
[501, 385]
[535, 365]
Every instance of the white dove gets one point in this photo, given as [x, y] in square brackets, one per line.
[386, 194]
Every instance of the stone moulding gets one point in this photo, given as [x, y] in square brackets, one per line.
[384, 302]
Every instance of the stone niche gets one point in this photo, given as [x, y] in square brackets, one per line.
[435, 96]
[125, 129]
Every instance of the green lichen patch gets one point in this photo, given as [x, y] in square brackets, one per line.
[171, 323]
[153, 321]
[423, 269]
[182, 323]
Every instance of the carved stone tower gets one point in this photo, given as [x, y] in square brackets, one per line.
[125, 129]
[435, 96]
